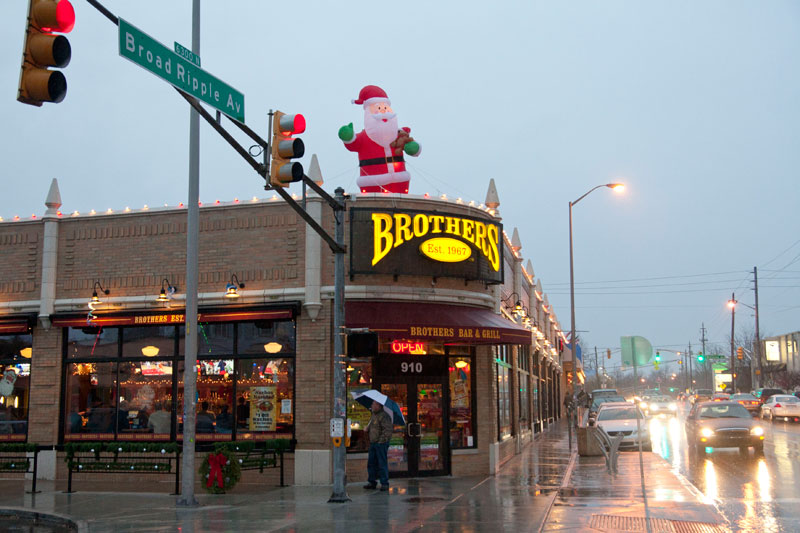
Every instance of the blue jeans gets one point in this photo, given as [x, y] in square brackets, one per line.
[377, 463]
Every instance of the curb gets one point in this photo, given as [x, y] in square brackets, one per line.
[53, 519]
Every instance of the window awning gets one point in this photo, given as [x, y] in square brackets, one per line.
[450, 324]
[167, 319]
[10, 326]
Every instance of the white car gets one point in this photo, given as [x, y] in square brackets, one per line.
[619, 418]
[659, 406]
[781, 406]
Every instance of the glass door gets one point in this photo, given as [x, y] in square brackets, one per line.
[419, 448]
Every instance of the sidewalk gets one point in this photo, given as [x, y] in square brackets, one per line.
[543, 489]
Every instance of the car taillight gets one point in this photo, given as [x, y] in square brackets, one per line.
[777, 405]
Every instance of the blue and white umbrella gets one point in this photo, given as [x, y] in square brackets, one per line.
[390, 406]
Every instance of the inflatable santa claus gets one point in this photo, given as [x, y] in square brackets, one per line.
[380, 145]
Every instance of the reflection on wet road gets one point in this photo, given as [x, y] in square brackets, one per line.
[754, 492]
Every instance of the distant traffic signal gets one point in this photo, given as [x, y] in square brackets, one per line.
[701, 358]
[43, 48]
[608, 353]
[285, 148]
[658, 357]
[740, 353]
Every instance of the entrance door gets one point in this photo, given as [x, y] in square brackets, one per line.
[421, 447]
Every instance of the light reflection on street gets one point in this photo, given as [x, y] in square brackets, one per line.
[711, 489]
[764, 481]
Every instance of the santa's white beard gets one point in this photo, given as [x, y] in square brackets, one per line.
[383, 133]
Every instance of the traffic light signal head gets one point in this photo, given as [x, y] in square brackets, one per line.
[701, 358]
[740, 353]
[283, 171]
[658, 357]
[37, 83]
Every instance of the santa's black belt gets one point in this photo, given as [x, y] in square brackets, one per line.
[381, 160]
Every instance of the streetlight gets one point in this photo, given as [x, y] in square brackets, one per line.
[619, 187]
[732, 304]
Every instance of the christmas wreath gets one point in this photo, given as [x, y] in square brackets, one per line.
[220, 471]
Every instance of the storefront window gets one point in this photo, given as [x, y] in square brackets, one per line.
[462, 431]
[265, 403]
[119, 382]
[359, 379]
[524, 414]
[267, 337]
[91, 405]
[15, 384]
[154, 341]
[92, 342]
[145, 405]
[503, 391]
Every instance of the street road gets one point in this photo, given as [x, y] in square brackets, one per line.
[754, 492]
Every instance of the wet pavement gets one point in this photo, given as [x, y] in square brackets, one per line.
[752, 492]
[544, 488]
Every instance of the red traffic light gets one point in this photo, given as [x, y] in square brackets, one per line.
[51, 16]
[288, 125]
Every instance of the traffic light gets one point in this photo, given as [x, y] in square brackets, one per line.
[701, 358]
[608, 353]
[658, 357]
[740, 353]
[43, 48]
[680, 361]
[285, 147]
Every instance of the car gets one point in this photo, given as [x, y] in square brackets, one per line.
[620, 419]
[659, 406]
[764, 394]
[720, 396]
[702, 395]
[604, 393]
[598, 402]
[785, 406]
[748, 401]
[724, 424]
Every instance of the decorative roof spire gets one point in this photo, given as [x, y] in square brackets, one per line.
[516, 245]
[53, 201]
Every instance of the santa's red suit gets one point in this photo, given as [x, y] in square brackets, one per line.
[381, 170]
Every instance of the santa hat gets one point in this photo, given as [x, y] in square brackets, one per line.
[371, 94]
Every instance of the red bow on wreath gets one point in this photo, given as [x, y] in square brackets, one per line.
[215, 464]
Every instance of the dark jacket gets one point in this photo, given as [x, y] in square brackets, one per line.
[379, 428]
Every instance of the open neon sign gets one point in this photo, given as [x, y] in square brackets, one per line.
[413, 348]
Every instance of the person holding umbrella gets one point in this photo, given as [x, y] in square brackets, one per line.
[379, 431]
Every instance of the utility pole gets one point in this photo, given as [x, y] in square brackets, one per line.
[596, 368]
[733, 349]
[691, 376]
[758, 335]
[703, 340]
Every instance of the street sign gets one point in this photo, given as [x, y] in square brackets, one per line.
[187, 54]
[151, 55]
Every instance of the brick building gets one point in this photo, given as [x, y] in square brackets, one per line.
[468, 344]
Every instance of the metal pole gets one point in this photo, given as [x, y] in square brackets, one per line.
[573, 340]
[596, 368]
[758, 335]
[339, 389]
[733, 360]
[186, 497]
[691, 376]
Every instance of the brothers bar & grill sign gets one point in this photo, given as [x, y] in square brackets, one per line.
[425, 243]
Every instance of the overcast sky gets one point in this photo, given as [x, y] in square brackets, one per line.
[695, 105]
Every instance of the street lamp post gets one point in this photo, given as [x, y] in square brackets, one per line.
[573, 340]
[732, 304]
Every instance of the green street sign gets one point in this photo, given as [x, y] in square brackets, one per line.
[151, 55]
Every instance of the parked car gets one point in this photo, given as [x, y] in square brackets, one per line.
[659, 406]
[723, 425]
[702, 395]
[785, 406]
[748, 401]
[595, 407]
[604, 393]
[620, 419]
[764, 394]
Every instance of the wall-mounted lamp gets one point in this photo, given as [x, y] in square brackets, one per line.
[95, 299]
[461, 363]
[26, 352]
[231, 290]
[150, 351]
[166, 291]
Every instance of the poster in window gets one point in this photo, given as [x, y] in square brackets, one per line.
[263, 408]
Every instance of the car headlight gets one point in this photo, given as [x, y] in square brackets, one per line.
[706, 432]
[673, 407]
[654, 407]
[757, 431]
[643, 405]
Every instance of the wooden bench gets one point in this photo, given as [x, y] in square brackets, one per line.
[123, 458]
[16, 457]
